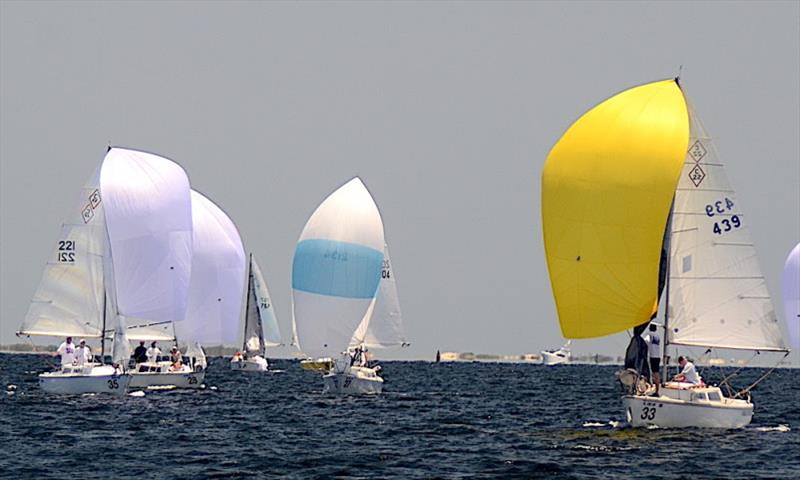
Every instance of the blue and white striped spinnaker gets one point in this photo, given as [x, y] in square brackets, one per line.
[336, 270]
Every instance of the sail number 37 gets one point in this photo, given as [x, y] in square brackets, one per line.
[723, 207]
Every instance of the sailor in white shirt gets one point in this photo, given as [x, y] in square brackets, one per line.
[67, 352]
[153, 352]
[83, 354]
[688, 372]
[654, 352]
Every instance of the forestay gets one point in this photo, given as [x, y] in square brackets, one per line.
[336, 270]
[149, 221]
[382, 326]
[69, 299]
[718, 296]
[260, 325]
[791, 296]
[217, 280]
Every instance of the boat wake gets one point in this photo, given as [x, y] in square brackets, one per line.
[138, 393]
[780, 428]
[610, 423]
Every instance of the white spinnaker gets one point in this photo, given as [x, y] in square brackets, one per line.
[261, 327]
[149, 221]
[69, 299]
[217, 280]
[336, 270]
[718, 296]
[791, 296]
[382, 327]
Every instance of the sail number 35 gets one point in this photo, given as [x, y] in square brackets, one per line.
[722, 207]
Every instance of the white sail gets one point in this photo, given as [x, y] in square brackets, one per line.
[718, 296]
[120, 348]
[217, 280]
[149, 222]
[69, 299]
[382, 327]
[336, 270]
[791, 296]
[261, 326]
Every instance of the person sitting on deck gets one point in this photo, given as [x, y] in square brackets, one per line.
[176, 358]
[688, 372]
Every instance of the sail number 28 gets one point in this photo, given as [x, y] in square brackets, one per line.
[722, 207]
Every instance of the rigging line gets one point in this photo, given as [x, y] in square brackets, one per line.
[736, 372]
[747, 390]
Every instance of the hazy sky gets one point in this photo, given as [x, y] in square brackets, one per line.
[446, 111]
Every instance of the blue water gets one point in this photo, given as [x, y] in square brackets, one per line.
[433, 420]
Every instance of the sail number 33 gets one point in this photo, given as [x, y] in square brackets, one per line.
[721, 207]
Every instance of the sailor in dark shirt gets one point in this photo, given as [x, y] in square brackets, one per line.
[140, 353]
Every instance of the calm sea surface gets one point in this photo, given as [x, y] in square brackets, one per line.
[433, 420]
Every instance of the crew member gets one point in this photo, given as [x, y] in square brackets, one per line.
[67, 352]
[688, 372]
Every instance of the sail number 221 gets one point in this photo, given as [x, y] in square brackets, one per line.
[722, 207]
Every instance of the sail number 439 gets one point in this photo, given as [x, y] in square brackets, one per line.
[720, 207]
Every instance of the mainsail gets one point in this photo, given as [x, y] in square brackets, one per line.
[382, 326]
[607, 187]
[69, 299]
[718, 295]
[260, 325]
[336, 270]
[791, 296]
[217, 278]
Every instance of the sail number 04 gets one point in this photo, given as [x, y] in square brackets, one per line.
[721, 207]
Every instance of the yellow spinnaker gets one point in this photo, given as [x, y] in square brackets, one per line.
[607, 187]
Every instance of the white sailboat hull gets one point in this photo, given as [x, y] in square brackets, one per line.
[668, 412]
[253, 364]
[160, 376]
[91, 379]
[355, 381]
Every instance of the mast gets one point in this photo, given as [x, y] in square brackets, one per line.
[668, 241]
[103, 329]
[247, 302]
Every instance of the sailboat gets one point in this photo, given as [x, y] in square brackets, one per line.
[556, 357]
[126, 208]
[635, 201]
[216, 286]
[382, 326]
[260, 325]
[791, 296]
[336, 273]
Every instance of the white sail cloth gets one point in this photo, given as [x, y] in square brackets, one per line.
[260, 325]
[69, 298]
[149, 221]
[336, 270]
[217, 280]
[382, 326]
[791, 296]
[718, 295]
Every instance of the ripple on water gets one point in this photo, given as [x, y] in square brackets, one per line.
[446, 420]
